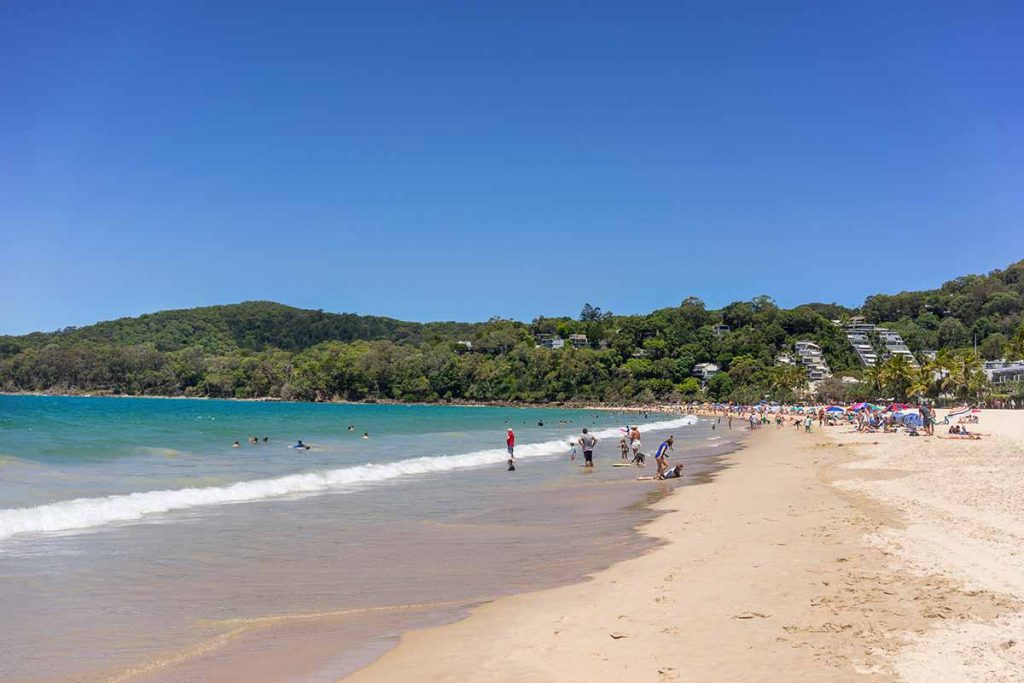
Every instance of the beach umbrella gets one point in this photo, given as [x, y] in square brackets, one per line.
[896, 407]
[835, 409]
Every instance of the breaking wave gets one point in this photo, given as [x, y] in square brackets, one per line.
[88, 513]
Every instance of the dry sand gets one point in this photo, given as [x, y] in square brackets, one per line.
[830, 556]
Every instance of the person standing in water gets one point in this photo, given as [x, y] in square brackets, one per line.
[634, 439]
[510, 444]
[587, 443]
[661, 457]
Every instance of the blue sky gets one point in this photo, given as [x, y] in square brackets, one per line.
[462, 160]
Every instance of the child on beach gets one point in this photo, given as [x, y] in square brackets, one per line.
[572, 451]
[623, 449]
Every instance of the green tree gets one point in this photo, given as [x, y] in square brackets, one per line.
[952, 333]
[897, 376]
[719, 386]
[967, 379]
[1014, 348]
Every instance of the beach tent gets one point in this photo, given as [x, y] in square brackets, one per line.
[910, 416]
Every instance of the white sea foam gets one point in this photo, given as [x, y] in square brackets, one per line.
[87, 513]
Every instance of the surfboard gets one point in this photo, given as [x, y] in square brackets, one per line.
[623, 464]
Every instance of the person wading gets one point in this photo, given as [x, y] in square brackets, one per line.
[510, 443]
[587, 443]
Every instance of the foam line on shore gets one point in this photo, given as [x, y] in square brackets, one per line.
[81, 514]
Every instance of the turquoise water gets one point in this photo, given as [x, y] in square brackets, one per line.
[60, 449]
[69, 430]
[130, 528]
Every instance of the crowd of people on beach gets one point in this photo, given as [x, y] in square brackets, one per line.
[896, 418]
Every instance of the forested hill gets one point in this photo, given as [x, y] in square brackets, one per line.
[252, 325]
[264, 349]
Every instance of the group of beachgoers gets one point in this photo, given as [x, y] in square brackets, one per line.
[587, 442]
[298, 445]
[252, 440]
[913, 420]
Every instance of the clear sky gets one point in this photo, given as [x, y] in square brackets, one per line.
[463, 160]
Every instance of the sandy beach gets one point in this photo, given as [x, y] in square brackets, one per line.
[830, 556]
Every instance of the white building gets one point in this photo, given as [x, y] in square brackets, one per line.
[859, 333]
[550, 341]
[705, 371]
[578, 341]
[811, 358]
[1003, 371]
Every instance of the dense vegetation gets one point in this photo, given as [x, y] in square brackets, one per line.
[262, 349]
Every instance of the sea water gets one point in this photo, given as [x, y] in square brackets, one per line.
[137, 543]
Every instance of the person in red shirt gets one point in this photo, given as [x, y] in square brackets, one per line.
[510, 441]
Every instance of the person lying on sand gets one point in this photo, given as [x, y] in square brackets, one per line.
[671, 473]
[960, 432]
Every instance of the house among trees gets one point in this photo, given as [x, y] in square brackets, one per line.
[873, 343]
[578, 341]
[812, 359]
[1004, 371]
[550, 341]
[705, 371]
[719, 330]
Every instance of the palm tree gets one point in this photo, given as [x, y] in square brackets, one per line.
[923, 383]
[787, 380]
[872, 376]
[966, 377]
[932, 378]
[897, 376]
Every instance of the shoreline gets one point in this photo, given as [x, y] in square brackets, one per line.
[255, 649]
[772, 572]
[583, 405]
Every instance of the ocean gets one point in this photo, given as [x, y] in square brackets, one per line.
[136, 543]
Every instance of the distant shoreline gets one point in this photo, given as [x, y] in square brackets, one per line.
[618, 408]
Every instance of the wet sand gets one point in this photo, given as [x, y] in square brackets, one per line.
[527, 541]
[782, 569]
